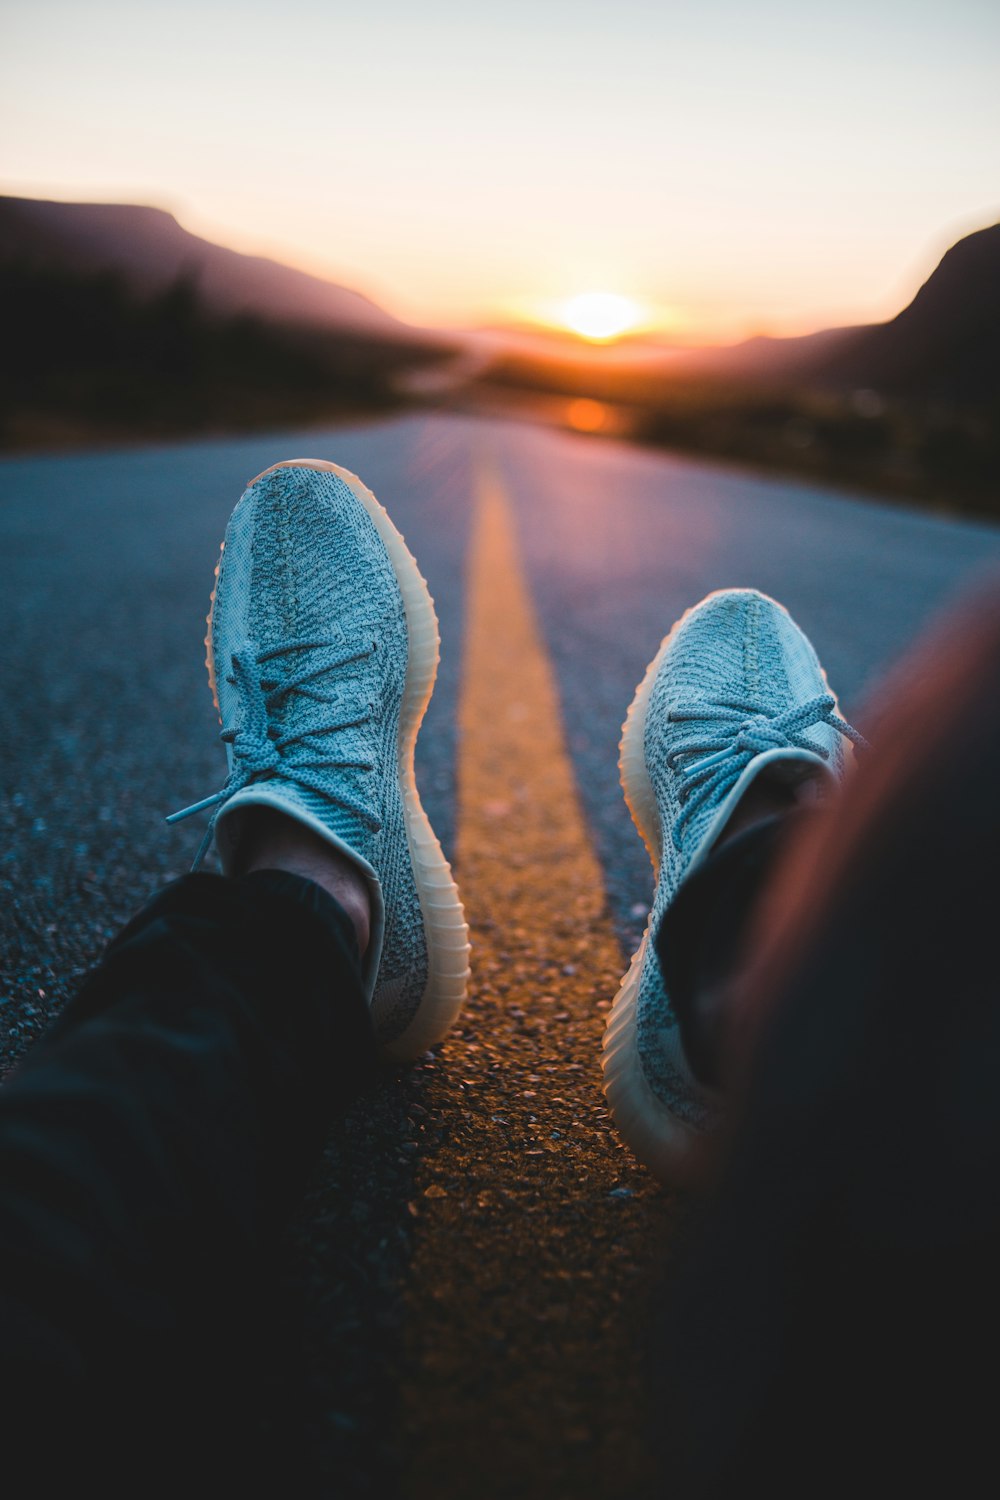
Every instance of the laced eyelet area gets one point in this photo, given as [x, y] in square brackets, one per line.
[268, 741]
[726, 736]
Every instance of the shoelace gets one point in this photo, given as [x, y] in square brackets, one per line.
[261, 750]
[743, 731]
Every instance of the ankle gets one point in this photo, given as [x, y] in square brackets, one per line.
[769, 796]
[702, 942]
[271, 840]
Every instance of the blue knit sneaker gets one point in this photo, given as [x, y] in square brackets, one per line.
[322, 652]
[734, 689]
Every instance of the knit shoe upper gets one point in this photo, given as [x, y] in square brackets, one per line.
[322, 651]
[735, 688]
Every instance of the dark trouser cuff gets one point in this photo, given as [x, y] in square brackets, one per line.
[703, 934]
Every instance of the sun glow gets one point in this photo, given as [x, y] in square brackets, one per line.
[600, 316]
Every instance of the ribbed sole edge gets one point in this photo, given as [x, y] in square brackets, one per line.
[670, 1149]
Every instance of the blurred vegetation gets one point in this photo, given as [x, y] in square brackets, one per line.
[945, 453]
[85, 358]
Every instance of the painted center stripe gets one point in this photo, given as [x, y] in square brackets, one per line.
[535, 1231]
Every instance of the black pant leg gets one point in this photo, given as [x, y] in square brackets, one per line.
[703, 936]
[833, 1327]
[150, 1146]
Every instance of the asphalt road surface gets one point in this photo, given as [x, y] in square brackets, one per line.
[462, 1297]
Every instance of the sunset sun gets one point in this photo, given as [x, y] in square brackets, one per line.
[601, 316]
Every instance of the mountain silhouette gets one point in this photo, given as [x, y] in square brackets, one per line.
[943, 346]
[150, 250]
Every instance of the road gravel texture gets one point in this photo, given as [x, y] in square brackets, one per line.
[391, 1367]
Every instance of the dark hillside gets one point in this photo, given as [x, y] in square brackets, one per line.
[945, 345]
[119, 324]
[150, 251]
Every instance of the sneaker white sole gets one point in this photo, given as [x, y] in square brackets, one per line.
[446, 933]
[672, 1150]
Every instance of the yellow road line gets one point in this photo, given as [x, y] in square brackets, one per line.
[534, 1227]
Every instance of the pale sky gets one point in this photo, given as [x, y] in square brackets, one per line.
[736, 165]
